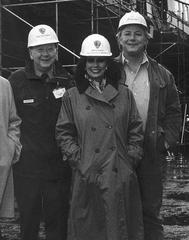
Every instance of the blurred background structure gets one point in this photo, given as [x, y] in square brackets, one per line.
[73, 20]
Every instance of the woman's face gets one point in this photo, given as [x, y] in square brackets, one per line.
[96, 66]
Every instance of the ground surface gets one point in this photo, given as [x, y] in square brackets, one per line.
[175, 209]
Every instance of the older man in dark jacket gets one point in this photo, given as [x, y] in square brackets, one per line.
[157, 100]
[42, 179]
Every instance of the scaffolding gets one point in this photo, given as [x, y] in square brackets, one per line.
[169, 28]
[113, 10]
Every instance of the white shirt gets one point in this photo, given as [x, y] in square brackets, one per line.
[138, 83]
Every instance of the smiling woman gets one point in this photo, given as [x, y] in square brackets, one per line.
[99, 132]
[96, 52]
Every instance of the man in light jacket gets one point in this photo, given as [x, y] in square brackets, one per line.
[10, 148]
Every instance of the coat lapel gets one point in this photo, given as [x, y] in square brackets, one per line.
[108, 94]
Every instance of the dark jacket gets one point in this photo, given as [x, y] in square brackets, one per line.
[39, 109]
[164, 112]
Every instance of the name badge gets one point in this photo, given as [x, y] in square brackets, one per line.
[58, 93]
[28, 101]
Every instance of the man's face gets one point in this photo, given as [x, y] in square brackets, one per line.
[133, 40]
[43, 56]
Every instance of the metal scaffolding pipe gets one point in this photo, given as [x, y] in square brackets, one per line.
[0, 37]
[120, 7]
[92, 16]
[32, 26]
[36, 3]
[165, 50]
[14, 14]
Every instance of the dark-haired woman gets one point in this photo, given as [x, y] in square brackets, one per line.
[100, 133]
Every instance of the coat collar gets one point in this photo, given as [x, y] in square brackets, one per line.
[59, 72]
[108, 94]
[154, 71]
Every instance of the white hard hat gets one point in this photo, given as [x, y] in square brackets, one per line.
[95, 45]
[41, 34]
[132, 18]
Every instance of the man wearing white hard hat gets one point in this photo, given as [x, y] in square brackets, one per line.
[102, 139]
[157, 100]
[42, 178]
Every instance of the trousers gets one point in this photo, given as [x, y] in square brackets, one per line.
[150, 176]
[42, 199]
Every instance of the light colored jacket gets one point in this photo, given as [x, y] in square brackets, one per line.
[10, 147]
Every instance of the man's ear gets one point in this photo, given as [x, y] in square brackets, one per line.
[118, 35]
[30, 53]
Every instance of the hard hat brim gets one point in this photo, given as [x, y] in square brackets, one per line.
[143, 26]
[44, 43]
[127, 24]
[95, 55]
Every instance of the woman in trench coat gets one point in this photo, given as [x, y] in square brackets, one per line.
[99, 132]
[9, 147]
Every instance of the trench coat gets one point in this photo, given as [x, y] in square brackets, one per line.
[10, 147]
[101, 136]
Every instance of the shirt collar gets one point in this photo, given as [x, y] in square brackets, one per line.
[144, 61]
[32, 75]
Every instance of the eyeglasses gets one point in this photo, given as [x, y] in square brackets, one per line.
[48, 50]
[96, 59]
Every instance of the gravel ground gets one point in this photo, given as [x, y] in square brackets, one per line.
[175, 209]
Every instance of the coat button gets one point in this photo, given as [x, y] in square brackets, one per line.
[109, 126]
[153, 132]
[64, 157]
[97, 150]
[112, 105]
[112, 148]
[88, 107]
[93, 129]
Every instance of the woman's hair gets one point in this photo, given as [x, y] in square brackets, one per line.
[112, 74]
